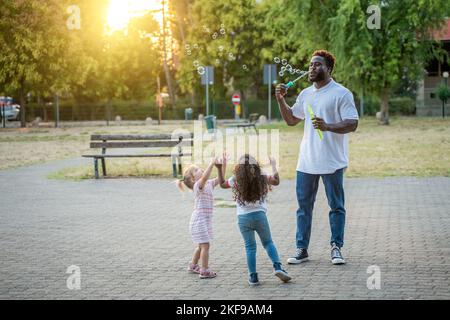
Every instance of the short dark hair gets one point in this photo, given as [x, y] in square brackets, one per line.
[330, 60]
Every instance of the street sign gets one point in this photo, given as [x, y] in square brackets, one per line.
[270, 73]
[208, 76]
[236, 99]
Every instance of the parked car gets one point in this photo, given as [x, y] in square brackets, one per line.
[11, 112]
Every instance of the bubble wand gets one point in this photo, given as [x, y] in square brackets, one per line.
[311, 113]
[291, 83]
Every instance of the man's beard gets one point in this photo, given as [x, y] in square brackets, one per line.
[319, 77]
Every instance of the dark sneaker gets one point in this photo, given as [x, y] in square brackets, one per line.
[336, 255]
[253, 279]
[300, 256]
[281, 273]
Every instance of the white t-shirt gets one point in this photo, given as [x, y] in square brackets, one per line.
[247, 207]
[333, 103]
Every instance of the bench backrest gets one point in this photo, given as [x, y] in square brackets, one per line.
[253, 117]
[141, 141]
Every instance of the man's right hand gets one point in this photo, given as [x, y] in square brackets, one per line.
[280, 91]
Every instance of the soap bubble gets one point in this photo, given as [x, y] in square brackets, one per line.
[283, 69]
[284, 62]
[289, 67]
[244, 66]
[231, 57]
[201, 70]
[214, 36]
[281, 73]
[277, 60]
[222, 31]
[298, 71]
[195, 46]
[188, 52]
[196, 63]
[222, 26]
[221, 48]
[187, 46]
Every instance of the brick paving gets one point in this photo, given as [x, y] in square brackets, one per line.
[130, 239]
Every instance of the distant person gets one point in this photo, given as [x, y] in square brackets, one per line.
[200, 226]
[335, 115]
[250, 187]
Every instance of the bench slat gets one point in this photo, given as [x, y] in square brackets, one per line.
[140, 144]
[132, 155]
[100, 137]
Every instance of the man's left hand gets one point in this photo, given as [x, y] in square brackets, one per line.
[320, 124]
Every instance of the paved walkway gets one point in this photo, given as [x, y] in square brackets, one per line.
[130, 239]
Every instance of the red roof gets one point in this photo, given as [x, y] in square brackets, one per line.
[444, 33]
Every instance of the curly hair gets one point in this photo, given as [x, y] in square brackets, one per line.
[330, 60]
[251, 185]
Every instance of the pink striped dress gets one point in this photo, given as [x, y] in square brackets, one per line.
[200, 225]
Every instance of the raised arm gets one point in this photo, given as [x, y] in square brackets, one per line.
[285, 110]
[221, 169]
[274, 180]
[206, 174]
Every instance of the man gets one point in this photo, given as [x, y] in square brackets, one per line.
[335, 115]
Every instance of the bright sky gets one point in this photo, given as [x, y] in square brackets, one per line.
[121, 11]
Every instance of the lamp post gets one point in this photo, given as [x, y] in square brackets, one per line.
[445, 75]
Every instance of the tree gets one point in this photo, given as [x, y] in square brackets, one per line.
[35, 47]
[223, 35]
[373, 60]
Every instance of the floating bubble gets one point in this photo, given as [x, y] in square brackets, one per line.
[188, 52]
[244, 66]
[283, 69]
[222, 26]
[298, 71]
[196, 63]
[284, 62]
[201, 70]
[195, 46]
[289, 67]
[187, 46]
[221, 48]
[281, 73]
[215, 35]
[222, 31]
[277, 60]
[292, 71]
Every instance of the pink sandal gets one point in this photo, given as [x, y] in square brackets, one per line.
[193, 268]
[207, 273]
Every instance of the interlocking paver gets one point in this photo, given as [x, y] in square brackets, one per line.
[130, 239]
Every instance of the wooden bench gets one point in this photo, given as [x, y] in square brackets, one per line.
[105, 142]
[250, 123]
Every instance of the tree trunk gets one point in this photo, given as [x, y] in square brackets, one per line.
[23, 102]
[383, 116]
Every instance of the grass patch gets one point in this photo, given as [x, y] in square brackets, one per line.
[409, 146]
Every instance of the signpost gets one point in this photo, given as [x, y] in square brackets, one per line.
[207, 80]
[270, 78]
[236, 100]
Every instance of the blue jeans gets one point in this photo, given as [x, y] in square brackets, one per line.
[307, 185]
[249, 224]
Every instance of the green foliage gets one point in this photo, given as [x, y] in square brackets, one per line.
[402, 106]
[443, 92]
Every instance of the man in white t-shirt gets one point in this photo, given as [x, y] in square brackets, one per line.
[323, 150]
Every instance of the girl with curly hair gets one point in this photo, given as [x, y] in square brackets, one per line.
[250, 187]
